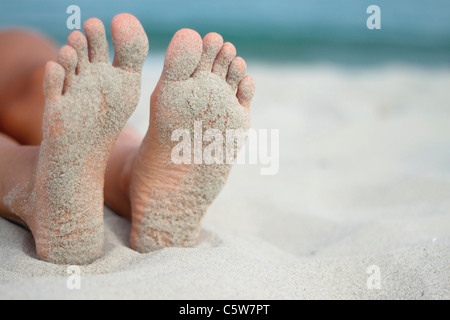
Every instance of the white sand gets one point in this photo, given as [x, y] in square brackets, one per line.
[364, 180]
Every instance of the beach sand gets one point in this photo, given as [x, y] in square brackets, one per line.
[364, 180]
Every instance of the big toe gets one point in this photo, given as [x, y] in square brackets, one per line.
[183, 55]
[130, 42]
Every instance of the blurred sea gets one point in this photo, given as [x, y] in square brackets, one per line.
[413, 31]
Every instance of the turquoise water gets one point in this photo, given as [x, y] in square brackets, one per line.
[412, 31]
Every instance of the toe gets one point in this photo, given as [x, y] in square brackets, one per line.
[223, 59]
[236, 72]
[53, 81]
[130, 42]
[96, 39]
[183, 55]
[212, 43]
[245, 92]
[67, 58]
[77, 40]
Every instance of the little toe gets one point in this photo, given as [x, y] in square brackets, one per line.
[67, 58]
[246, 91]
[236, 72]
[183, 55]
[53, 81]
[212, 43]
[96, 39]
[130, 42]
[223, 59]
[77, 40]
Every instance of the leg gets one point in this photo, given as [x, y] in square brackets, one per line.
[22, 64]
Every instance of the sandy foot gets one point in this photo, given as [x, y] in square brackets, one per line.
[88, 102]
[202, 84]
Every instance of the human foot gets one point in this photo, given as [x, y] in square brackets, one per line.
[88, 102]
[198, 83]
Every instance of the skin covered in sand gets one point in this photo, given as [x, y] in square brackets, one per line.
[87, 104]
[201, 81]
[67, 170]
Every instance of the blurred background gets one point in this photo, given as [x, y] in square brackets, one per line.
[413, 31]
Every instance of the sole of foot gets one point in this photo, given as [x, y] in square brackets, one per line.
[88, 102]
[203, 82]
